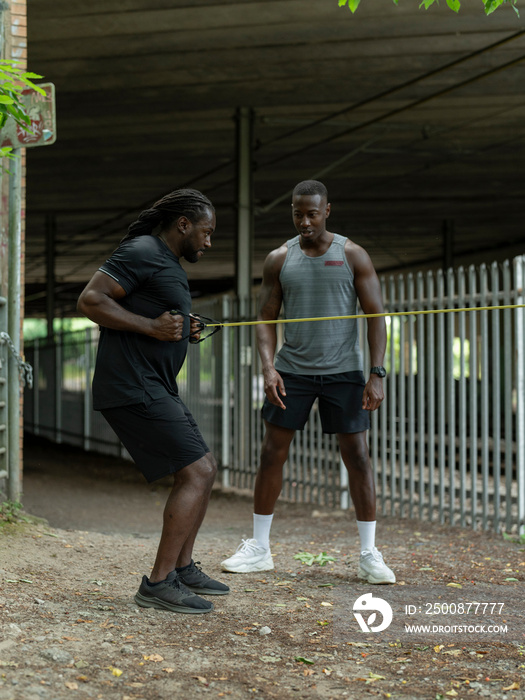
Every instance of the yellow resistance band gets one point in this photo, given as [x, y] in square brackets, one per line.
[389, 313]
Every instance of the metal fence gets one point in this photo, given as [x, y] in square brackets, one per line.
[447, 444]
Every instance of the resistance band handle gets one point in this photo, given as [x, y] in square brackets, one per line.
[177, 312]
[200, 326]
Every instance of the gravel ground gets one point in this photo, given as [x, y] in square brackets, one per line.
[69, 627]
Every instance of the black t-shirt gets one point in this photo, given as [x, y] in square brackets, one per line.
[130, 366]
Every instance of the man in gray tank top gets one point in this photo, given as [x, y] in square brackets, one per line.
[317, 274]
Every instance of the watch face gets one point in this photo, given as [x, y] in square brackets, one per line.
[380, 371]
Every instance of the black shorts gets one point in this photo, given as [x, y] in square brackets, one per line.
[340, 402]
[161, 435]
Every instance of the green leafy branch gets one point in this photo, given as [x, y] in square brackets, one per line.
[455, 5]
[13, 81]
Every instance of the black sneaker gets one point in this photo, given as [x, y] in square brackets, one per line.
[172, 595]
[196, 580]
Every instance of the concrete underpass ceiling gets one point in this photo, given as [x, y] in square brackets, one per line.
[146, 97]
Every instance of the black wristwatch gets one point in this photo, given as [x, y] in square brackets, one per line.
[380, 371]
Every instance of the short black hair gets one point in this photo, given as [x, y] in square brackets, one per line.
[311, 187]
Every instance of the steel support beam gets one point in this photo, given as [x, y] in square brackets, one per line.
[14, 296]
[243, 272]
[50, 272]
[244, 252]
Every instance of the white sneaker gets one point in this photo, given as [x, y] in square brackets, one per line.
[248, 557]
[373, 569]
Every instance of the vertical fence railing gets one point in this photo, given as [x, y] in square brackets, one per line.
[519, 267]
[447, 444]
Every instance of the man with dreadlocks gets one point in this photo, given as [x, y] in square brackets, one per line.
[317, 274]
[141, 351]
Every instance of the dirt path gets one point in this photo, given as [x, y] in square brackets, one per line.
[69, 627]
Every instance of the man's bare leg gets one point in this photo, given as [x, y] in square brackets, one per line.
[183, 515]
[254, 554]
[354, 452]
[269, 480]
[355, 455]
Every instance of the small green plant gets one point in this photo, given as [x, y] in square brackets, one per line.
[309, 559]
[520, 539]
[10, 512]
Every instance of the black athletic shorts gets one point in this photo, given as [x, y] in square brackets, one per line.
[340, 402]
[161, 435]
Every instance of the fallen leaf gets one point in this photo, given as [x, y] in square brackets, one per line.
[302, 660]
[201, 679]
[270, 659]
[327, 605]
[169, 670]
[438, 648]
[71, 685]
[374, 677]
[513, 686]
[452, 693]
[115, 671]
[453, 652]
[454, 585]
[154, 657]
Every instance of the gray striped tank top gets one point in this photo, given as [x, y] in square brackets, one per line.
[313, 287]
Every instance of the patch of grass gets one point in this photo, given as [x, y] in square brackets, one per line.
[10, 512]
[12, 515]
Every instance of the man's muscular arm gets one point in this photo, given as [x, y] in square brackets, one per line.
[369, 293]
[99, 302]
[270, 300]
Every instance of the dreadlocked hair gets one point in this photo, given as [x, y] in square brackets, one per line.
[185, 202]
[311, 187]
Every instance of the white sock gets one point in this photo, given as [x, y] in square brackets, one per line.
[367, 533]
[261, 529]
